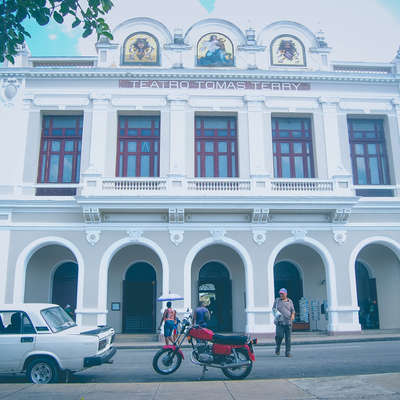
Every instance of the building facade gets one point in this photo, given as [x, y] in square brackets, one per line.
[218, 163]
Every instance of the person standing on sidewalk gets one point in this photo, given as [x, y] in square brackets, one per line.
[169, 319]
[283, 321]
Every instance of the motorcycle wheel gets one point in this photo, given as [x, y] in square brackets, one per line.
[165, 362]
[239, 372]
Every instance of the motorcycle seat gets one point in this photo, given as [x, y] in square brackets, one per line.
[229, 339]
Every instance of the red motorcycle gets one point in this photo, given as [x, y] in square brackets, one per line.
[234, 355]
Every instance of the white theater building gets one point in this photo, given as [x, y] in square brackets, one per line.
[214, 161]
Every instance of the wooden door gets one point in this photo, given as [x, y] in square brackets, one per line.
[139, 306]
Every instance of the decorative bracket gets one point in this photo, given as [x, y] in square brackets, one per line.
[340, 237]
[260, 216]
[341, 215]
[92, 215]
[134, 235]
[176, 215]
[93, 236]
[9, 90]
[176, 236]
[259, 236]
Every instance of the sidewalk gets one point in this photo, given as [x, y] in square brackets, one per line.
[377, 387]
[298, 338]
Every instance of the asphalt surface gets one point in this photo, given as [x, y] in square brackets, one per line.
[309, 361]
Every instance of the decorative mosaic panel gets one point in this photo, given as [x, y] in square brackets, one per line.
[141, 48]
[288, 50]
[215, 50]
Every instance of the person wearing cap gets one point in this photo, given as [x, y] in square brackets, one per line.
[283, 306]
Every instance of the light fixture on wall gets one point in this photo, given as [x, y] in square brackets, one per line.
[323, 282]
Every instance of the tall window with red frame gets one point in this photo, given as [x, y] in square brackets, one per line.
[138, 152]
[216, 147]
[368, 152]
[60, 149]
[292, 146]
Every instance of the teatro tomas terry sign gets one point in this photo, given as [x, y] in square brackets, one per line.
[213, 85]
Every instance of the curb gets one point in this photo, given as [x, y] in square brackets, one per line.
[157, 346]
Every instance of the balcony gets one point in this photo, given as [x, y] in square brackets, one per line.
[187, 187]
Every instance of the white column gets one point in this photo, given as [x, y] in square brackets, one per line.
[332, 137]
[4, 249]
[177, 134]
[260, 138]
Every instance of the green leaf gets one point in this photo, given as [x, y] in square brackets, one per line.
[58, 17]
[42, 19]
[108, 35]
[10, 58]
[76, 22]
[87, 32]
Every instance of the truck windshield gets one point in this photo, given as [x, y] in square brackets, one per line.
[57, 319]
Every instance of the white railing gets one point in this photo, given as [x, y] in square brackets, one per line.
[134, 184]
[218, 185]
[301, 185]
[180, 186]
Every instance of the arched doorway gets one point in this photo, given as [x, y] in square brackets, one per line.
[287, 276]
[215, 289]
[139, 299]
[377, 270]
[43, 284]
[65, 285]
[307, 289]
[367, 298]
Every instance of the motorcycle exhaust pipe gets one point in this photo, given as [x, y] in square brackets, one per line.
[233, 365]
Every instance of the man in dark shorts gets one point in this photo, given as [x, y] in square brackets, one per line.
[284, 309]
[169, 319]
[201, 315]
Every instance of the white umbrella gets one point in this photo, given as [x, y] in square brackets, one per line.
[170, 297]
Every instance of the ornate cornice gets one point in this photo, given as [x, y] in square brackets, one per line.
[123, 73]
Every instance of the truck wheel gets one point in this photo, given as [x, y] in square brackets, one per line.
[42, 370]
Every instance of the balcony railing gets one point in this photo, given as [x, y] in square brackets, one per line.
[134, 184]
[179, 186]
[302, 185]
[218, 185]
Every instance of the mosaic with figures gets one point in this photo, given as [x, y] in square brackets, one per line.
[215, 50]
[141, 48]
[287, 50]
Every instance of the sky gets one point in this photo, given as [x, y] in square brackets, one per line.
[357, 30]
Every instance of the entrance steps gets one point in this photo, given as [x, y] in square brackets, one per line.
[137, 338]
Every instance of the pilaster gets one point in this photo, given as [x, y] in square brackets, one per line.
[177, 131]
[260, 148]
[333, 151]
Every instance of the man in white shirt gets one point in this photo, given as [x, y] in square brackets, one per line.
[283, 306]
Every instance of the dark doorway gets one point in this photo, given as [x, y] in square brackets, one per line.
[139, 299]
[287, 276]
[367, 298]
[65, 285]
[215, 288]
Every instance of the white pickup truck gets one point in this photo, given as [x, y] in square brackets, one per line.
[43, 341]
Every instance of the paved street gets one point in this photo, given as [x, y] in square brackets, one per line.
[308, 361]
[323, 371]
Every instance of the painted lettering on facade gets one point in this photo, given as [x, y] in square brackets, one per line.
[213, 85]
